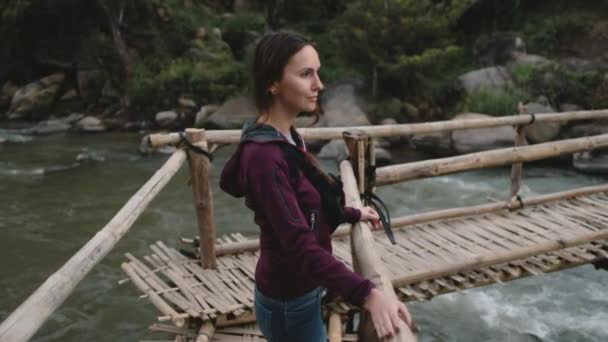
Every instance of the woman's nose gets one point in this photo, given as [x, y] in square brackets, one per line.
[318, 84]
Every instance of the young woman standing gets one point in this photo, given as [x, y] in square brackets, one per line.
[295, 220]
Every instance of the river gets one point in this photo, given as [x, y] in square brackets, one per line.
[52, 205]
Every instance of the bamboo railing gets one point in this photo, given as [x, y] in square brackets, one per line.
[31, 314]
[330, 133]
[22, 324]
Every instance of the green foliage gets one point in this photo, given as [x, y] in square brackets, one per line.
[11, 9]
[158, 81]
[241, 30]
[386, 108]
[558, 84]
[408, 43]
[547, 35]
[493, 102]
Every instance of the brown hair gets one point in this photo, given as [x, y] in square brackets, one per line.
[272, 53]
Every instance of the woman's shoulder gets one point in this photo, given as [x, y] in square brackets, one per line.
[263, 154]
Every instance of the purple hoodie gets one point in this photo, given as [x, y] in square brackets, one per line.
[295, 242]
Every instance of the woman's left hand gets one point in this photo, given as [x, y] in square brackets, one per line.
[371, 215]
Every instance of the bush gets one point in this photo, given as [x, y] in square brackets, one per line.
[158, 82]
[558, 84]
[494, 102]
[242, 29]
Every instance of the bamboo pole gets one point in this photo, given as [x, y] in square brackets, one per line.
[156, 300]
[31, 314]
[517, 168]
[368, 261]
[330, 133]
[436, 167]
[200, 174]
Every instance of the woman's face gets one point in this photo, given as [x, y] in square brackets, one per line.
[299, 88]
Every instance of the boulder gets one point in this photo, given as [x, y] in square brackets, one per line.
[585, 129]
[72, 118]
[335, 149]
[90, 124]
[383, 156]
[186, 103]
[411, 112]
[203, 113]
[392, 141]
[50, 127]
[341, 108]
[232, 114]
[545, 131]
[481, 139]
[498, 48]
[33, 99]
[166, 118]
[569, 107]
[486, 78]
[6, 94]
[588, 162]
[439, 143]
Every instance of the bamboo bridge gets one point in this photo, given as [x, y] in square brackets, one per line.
[209, 297]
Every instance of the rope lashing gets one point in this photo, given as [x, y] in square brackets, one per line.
[195, 148]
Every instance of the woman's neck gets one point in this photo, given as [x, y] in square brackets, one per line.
[279, 118]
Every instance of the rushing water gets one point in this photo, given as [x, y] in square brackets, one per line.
[52, 204]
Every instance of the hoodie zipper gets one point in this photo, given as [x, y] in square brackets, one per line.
[313, 218]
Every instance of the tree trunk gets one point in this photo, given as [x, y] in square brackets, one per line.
[119, 43]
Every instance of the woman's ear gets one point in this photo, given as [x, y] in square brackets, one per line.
[274, 89]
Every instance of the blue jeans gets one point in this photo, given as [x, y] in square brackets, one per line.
[294, 320]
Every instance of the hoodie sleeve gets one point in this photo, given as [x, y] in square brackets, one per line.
[352, 215]
[273, 196]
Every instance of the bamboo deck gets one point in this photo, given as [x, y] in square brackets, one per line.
[430, 259]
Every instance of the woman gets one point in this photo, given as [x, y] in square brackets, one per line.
[295, 243]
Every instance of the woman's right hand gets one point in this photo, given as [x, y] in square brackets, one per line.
[370, 214]
[386, 313]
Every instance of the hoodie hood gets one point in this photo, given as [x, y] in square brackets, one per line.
[230, 179]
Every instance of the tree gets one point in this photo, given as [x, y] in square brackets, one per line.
[400, 43]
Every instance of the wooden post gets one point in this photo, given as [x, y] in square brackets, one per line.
[516, 169]
[360, 146]
[335, 328]
[365, 260]
[205, 333]
[200, 174]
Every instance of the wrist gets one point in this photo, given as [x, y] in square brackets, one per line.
[373, 293]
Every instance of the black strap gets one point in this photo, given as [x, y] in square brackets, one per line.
[195, 148]
[383, 212]
[532, 119]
